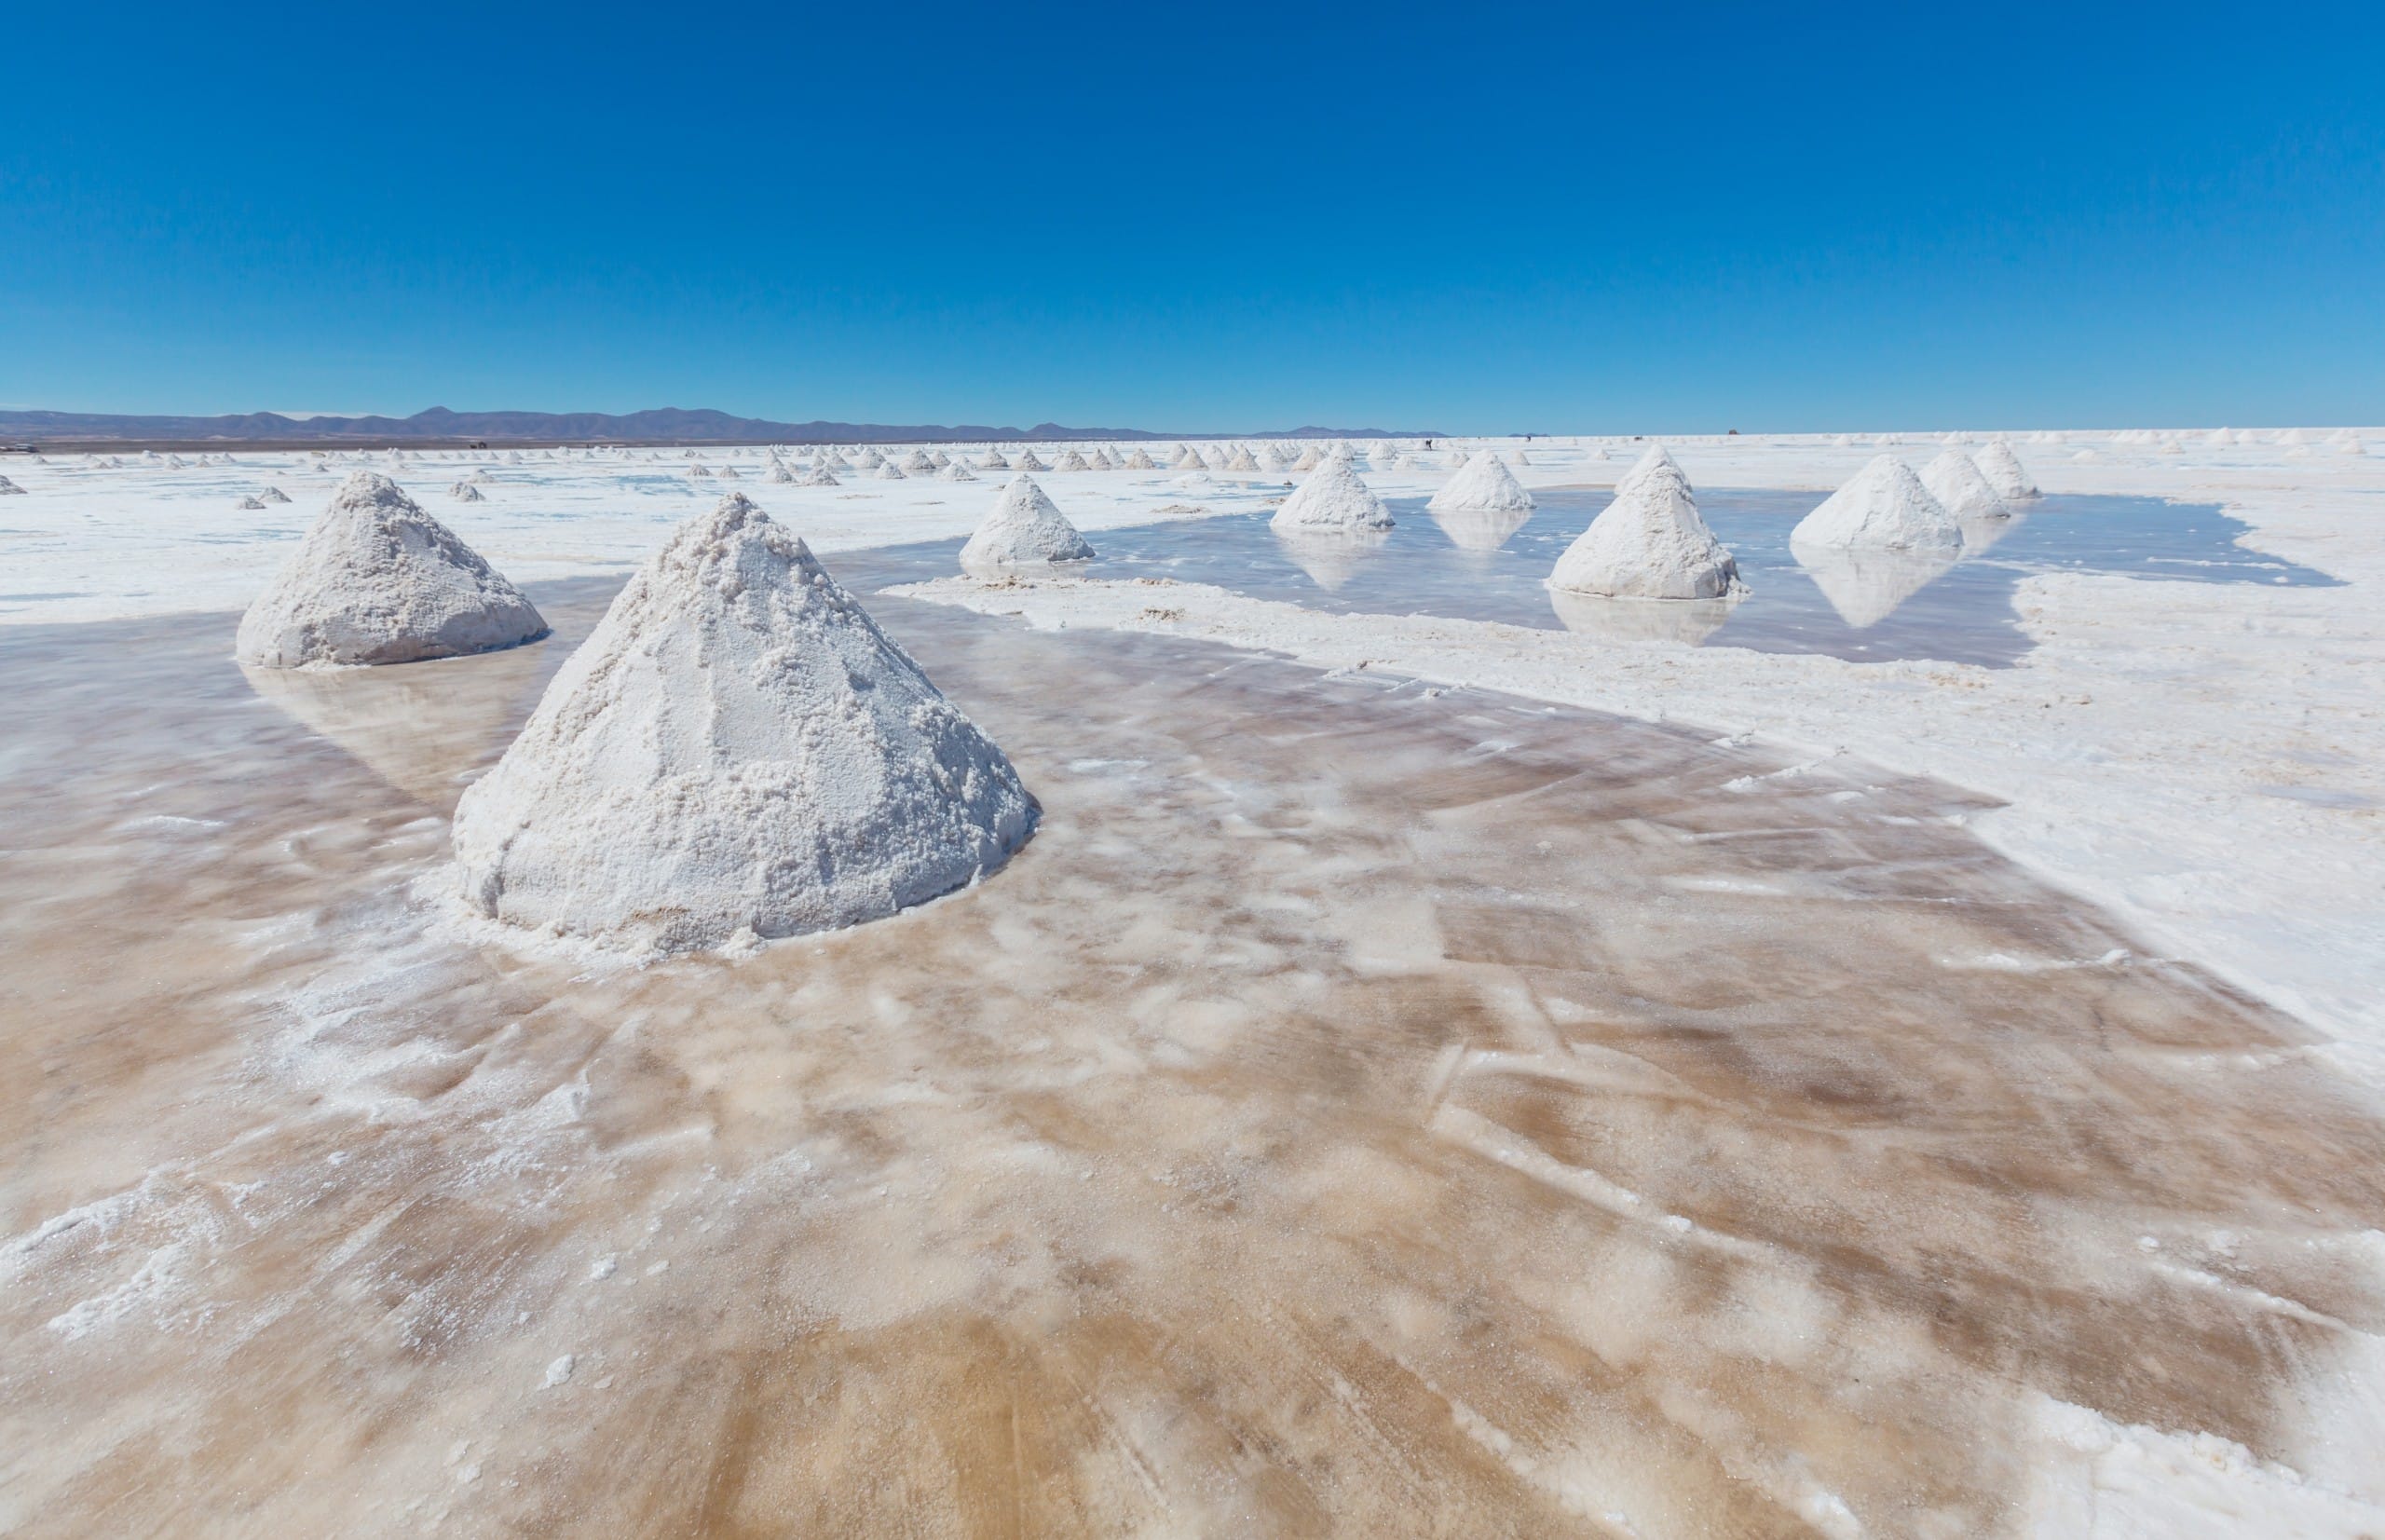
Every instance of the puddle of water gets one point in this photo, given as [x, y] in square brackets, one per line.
[1864, 607]
[1361, 1109]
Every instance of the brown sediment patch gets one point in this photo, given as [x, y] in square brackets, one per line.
[1357, 1112]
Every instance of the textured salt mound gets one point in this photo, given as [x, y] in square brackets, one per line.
[780, 475]
[819, 475]
[1100, 460]
[377, 580]
[1024, 528]
[870, 459]
[832, 463]
[1142, 460]
[274, 494]
[1310, 459]
[1185, 458]
[890, 471]
[1070, 460]
[1026, 462]
[1332, 497]
[1484, 484]
[1650, 543]
[1655, 462]
[736, 752]
[1960, 487]
[956, 472]
[2003, 470]
[1243, 459]
[992, 460]
[916, 462]
[1884, 508]
[9, 488]
[250, 504]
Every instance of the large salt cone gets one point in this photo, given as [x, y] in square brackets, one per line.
[377, 580]
[1956, 481]
[1332, 497]
[1655, 464]
[1484, 484]
[1481, 528]
[1649, 543]
[736, 750]
[1866, 584]
[1331, 554]
[1687, 621]
[1024, 529]
[2004, 471]
[1884, 508]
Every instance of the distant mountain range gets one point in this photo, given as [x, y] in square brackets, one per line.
[665, 424]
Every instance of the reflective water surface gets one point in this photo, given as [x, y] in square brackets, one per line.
[1863, 605]
[1362, 1109]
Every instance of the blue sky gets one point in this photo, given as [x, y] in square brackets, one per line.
[1560, 218]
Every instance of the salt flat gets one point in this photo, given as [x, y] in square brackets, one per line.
[1385, 1094]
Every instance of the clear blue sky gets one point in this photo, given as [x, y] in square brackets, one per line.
[1471, 219]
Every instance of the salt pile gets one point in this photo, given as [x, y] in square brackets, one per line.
[9, 488]
[1185, 458]
[819, 475]
[1886, 508]
[1958, 485]
[729, 473]
[1026, 462]
[1024, 528]
[250, 504]
[1100, 459]
[889, 471]
[1485, 484]
[377, 580]
[832, 463]
[737, 753]
[938, 459]
[1332, 497]
[868, 459]
[780, 475]
[956, 472]
[1142, 460]
[1649, 543]
[1070, 460]
[465, 492]
[1243, 459]
[1310, 459]
[274, 494]
[2002, 467]
[916, 463]
[992, 460]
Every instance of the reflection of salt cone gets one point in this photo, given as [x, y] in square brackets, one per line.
[1981, 534]
[1479, 529]
[419, 728]
[1688, 621]
[1866, 586]
[1330, 558]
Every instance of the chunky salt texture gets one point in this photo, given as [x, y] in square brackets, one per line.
[1332, 497]
[2004, 471]
[1958, 484]
[1884, 506]
[1650, 543]
[1024, 528]
[377, 580]
[737, 752]
[1486, 484]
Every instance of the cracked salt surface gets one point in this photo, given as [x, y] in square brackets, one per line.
[1381, 1110]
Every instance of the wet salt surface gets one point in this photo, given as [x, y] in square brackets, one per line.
[1480, 566]
[1362, 1109]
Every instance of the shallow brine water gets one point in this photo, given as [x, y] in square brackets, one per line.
[1362, 1109]
[1868, 607]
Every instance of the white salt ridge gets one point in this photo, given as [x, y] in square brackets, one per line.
[1486, 486]
[1885, 508]
[737, 753]
[1650, 543]
[2004, 471]
[1332, 497]
[1960, 487]
[1024, 528]
[377, 580]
